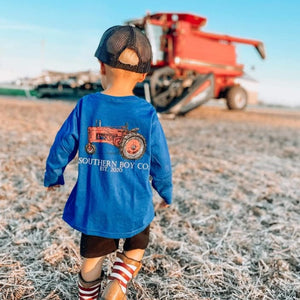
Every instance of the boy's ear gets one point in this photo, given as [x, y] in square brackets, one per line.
[102, 68]
[142, 77]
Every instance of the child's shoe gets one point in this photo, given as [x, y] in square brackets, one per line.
[124, 269]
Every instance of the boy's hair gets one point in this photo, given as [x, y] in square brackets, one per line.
[129, 57]
[125, 47]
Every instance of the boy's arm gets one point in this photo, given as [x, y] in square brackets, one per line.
[63, 150]
[161, 170]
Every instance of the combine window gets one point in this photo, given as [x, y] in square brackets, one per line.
[154, 34]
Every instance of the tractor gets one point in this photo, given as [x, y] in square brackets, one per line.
[190, 66]
[131, 144]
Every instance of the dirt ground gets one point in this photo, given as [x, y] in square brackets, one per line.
[233, 231]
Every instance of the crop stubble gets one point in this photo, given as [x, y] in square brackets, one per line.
[233, 231]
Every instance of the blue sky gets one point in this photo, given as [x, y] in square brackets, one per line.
[63, 36]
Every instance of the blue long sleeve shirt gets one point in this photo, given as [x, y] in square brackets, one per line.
[120, 145]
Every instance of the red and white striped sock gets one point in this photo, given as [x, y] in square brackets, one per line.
[89, 293]
[122, 272]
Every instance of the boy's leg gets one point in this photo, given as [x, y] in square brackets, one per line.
[89, 281]
[93, 249]
[126, 266]
[91, 268]
[90, 278]
[124, 269]
[136, 254]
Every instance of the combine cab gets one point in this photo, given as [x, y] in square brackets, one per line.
[190, 66]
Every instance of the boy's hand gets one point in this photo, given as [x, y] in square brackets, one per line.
[162, 205]
[53, 188]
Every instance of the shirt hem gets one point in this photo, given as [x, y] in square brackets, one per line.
[123, 235]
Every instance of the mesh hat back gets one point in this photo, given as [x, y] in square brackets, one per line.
[118, 38]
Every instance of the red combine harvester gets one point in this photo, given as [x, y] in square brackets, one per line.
[191, 66]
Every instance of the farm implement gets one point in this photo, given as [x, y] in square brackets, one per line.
[191, 66]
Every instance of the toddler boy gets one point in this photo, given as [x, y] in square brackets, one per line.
[120, 145]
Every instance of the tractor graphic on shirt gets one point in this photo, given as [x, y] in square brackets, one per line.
[131, 144]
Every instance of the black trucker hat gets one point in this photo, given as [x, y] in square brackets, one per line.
[116, 39]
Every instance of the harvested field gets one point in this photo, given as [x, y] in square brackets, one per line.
[233, 231]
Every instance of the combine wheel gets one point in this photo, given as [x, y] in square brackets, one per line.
[160, 83]
[236, 98]
[133, 146]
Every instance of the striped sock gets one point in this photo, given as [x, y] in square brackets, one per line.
[88, 293]
[122, 272]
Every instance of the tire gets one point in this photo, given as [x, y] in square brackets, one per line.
[90, 148]
[133, 146]
[236, 98]
[160, 83]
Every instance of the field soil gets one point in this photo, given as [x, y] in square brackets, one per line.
[232, 232]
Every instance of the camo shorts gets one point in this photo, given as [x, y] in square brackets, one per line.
[94, 246]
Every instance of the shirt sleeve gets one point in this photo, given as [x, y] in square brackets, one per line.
[63, 150]
[161, 170]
